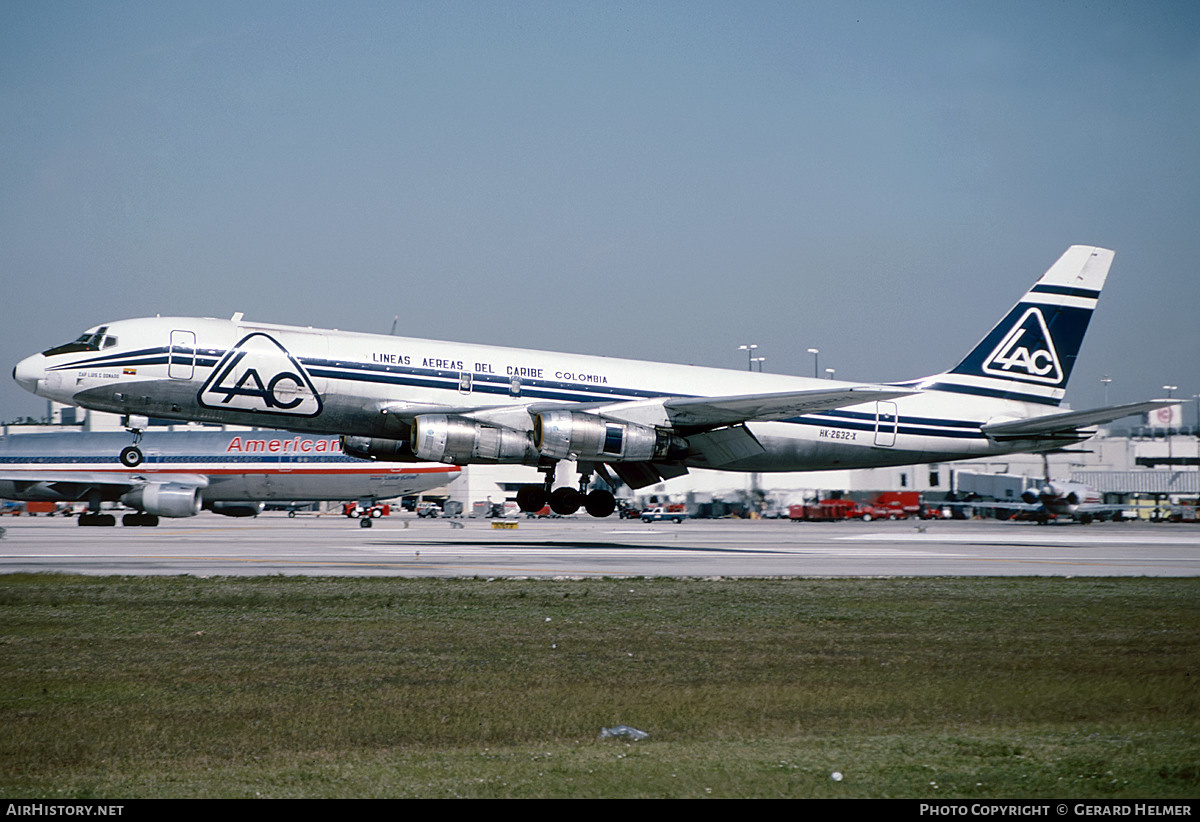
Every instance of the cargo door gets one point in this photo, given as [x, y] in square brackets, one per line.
[887, 419]
[181, 355]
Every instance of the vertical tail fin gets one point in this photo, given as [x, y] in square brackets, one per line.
[1029, 355]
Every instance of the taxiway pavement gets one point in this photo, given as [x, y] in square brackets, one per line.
[209, 545]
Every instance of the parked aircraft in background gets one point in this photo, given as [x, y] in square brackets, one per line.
[1055, 500]
[229, 472]
[397, 399]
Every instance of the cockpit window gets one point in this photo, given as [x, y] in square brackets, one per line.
[88, 341]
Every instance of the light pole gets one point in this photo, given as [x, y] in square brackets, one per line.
[1170, 389]
[1196, 397]
[816, 361]
[760, 361]
[749, 349]
[830, 372]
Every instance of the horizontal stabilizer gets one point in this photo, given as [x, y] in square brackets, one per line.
[1057, 426]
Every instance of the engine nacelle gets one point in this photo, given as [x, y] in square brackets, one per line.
[379, 449]
[165, 499]
[459, 441]
[236, 509]
[559, 434]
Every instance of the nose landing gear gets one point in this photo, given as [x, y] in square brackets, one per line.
[131, 455]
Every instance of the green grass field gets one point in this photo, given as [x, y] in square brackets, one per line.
[302, 687]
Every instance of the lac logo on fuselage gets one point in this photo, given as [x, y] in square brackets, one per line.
[259, 375]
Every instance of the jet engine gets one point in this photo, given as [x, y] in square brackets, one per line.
[459, 441]
[165, 499]
[558, 434]
[380, 449]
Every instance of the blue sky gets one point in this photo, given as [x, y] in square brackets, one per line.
[659, 180]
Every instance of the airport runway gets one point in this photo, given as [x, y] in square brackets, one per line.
[209, 545]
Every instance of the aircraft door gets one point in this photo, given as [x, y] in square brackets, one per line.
[887, 419]
[181, 356]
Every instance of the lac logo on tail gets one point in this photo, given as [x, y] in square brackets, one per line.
[1026, 352]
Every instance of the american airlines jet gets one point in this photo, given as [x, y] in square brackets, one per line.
[229, 472]
[402, 399]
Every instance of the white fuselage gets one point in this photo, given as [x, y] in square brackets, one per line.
[333, 382]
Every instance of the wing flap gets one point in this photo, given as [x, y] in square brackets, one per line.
[724, 446]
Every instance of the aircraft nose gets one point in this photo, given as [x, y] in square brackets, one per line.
[29, 371]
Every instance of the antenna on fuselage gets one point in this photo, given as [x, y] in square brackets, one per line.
[395, 320]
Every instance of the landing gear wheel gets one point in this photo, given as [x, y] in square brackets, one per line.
[600, 503]
[365, 522]
[532, 498]
[565, 501]
[131, 456]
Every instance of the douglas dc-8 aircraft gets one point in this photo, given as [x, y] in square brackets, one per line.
[398, 399]
[231, 472]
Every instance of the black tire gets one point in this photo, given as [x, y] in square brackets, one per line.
[365, 522]
[565, 501]
[532, 498]
[600, 503]
[131, 456]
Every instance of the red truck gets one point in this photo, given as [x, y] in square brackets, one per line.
[886, 505]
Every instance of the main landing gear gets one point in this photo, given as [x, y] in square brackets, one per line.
[566, 500]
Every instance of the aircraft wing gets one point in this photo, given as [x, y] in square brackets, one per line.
[674, 412]
[715, 412]
[113, 479]
[1065, 425]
